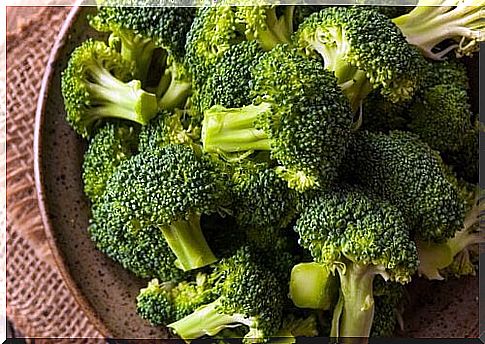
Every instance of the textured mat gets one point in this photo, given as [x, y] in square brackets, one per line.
[38, 301]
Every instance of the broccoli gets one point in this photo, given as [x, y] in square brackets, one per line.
[247, 294]
[142, 29]
[261, 197]
[96, 85]
[304, 11]
[164, 303]
[313, 286]
[389, 298]
[436, 257]
[168, 189]
[441, 117]
[216, 28]
[464, 162]
[401, 168]
[167, 128]
[448, 72]
[364, 49]
[230, 82]
[352, 231]
[112, 144]
[294, 326]
[394, 11]
[434, 22]
[299, 115]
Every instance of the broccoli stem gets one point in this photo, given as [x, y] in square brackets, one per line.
[139, 50]
[427, 26]
[352, 81]
[434, 257]
[358, 301]
[114, 98]
[206, 320]
[312, 286]
[175, 95]
[233, 130]
[188, 243]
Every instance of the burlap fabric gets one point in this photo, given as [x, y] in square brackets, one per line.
[38, 301]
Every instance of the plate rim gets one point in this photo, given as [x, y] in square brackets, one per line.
[51, 238]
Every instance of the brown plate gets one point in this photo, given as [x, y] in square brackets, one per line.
[104, 290]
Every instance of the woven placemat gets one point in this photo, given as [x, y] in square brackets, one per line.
[38, 301]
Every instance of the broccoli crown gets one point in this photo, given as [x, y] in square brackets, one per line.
[353, 39]
[349, 224]
[168, 189]
[112, 144]
[441, 117]
[217, 28]
[247, 294]
[163, 303]
[448, 72]
[304, 11]
[166, 27]
[138, 250]
[465, 161]
[408, 173]
[388, 297]
[309, 122]
[230, 82]
[166, 128]
[95, 86]
[261, 197]
[211, 34]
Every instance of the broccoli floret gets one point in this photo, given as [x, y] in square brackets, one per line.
[247, 294]
[389, 298]
[364, 49]
[261, 197]
[141, 29]
[112, 144]
[402, 169]
[217, 28]
[299, 115]
[164, 303]
[167, 189]
[167, 128]
[230, 82]
[433, 22]
[394, 11]
[465, 161]
[313, 285]
[304, 11]
[441, 117]
[453, 253]
[96, 85]
[350, 230]
[448, 72]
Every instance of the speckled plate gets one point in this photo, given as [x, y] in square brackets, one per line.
[104, 290]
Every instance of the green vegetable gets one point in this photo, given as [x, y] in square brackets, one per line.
[433, 22]
[305, 126]
[98, 84]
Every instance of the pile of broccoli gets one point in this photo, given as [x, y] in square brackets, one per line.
[279, 171]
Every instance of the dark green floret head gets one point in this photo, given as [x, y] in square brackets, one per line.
[299, 115]
[167, 189]
[442, 117]
[407, 172]
[96, 85]
[230, 82]
[247, 295]
[112, 144]
[261, 197]
[362, 47]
